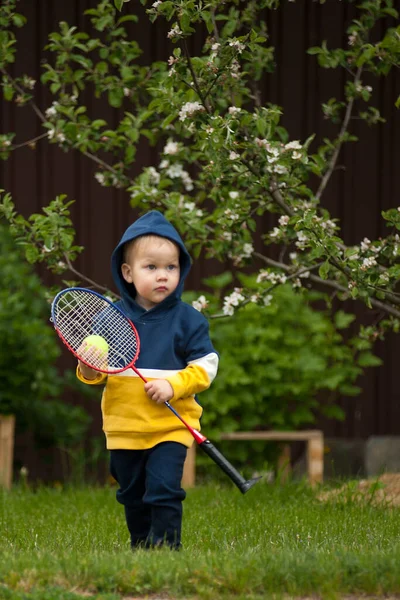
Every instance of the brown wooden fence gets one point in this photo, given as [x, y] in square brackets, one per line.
[368, 183]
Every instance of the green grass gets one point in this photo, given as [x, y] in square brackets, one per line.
[275, 541]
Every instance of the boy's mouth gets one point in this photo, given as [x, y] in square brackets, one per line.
[162, 288]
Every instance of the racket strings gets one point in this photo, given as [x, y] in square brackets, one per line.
[79, 314]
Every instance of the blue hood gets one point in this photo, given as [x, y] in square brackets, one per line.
[152, 223]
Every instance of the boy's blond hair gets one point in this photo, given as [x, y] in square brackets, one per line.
[142, 239]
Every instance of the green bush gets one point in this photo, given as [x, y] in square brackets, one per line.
[281, 366]
[30, 384]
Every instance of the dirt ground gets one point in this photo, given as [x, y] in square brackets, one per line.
[383, 490]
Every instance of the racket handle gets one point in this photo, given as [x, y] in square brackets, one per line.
[243, 484]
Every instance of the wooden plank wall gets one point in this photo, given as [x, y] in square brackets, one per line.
[368, 183]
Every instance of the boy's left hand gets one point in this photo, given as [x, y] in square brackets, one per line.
[159, 390]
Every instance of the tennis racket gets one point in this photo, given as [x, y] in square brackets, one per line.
[78, 313]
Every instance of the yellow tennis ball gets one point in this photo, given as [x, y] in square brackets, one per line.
[97, 342]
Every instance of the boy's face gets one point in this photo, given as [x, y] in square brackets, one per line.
[153, 267]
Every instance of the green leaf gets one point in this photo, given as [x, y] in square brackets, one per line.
[8, 92]
[367, 359]
[343, 319]
[219, 281]
[334, 412]
[115, 97]
[324, 270]
[314, 50]
[97, 123]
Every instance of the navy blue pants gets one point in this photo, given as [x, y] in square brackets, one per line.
[151, 493]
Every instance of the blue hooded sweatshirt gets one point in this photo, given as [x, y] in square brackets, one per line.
[174, 345]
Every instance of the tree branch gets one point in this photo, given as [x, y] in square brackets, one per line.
[328, 283]
[29, 142]
[343, 129]
[195, 81]
[82, 277]
[20, 90]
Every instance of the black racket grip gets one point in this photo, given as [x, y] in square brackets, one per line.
[243, 484]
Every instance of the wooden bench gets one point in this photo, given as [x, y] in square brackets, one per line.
[315, 452]
[7, 426]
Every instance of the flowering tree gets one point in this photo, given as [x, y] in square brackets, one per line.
[225, 158]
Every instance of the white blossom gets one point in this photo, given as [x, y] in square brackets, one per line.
[156, 4]
[261, 143]
[296, 155]
[352, 38]
[233, 155]
[235, 68]
[171, 147]
[100, 178]
[175, 171]
[283, 220]
[280, 169]
[384, 277]
[228, 310]
[231, 301]
[248, 250]
[275, 232]
[154, 175]
[295, 145]
[365, 244]
[237, 45]
[189, 109]
[302, 240]
[231, 215]
[368, 263]
[329, 225]
[234, 110]
[233, 195]
[52, 110]
[200, 304]
[174, 32]
[267, 300]
[271, 276]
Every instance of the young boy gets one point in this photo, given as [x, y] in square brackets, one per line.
[148, 443]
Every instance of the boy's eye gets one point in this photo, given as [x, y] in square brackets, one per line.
[151, 267]
[172, 267]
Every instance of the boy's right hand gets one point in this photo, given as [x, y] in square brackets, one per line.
[87, 372]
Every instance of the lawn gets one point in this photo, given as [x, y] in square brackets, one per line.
[276, 541]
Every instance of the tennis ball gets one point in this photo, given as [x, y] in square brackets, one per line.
[97, 342]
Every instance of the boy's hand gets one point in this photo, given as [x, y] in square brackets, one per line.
[86, 371]
[159, 390]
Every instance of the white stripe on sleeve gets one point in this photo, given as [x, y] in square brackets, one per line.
[209, 363]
